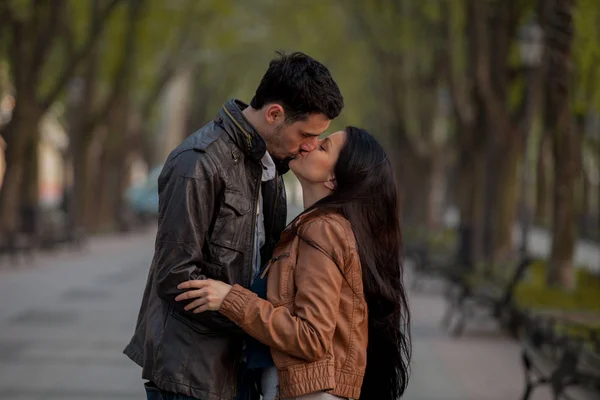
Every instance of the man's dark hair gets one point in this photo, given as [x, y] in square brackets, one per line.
[302, 85]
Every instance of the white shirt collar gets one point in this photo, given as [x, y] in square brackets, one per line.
[268, 172]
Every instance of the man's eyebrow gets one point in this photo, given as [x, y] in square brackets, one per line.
[311, 134]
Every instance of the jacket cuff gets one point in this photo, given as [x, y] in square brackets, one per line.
[235, 303]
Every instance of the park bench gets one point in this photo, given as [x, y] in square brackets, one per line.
[472, 296]
[54, 230]
[428, 264]
[567, 361]
[16, 248]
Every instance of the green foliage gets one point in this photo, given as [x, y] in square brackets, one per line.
[533, 293]
[586, 55]
[230, 42]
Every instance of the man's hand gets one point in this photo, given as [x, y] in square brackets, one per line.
[209, 294]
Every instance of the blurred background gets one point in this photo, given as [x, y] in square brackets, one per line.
[490, 110]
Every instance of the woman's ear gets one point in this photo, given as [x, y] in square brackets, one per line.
[330, 184]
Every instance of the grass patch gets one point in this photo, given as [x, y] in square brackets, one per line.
[533, 293]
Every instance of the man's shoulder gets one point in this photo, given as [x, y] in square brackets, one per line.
[199, 154]
[202, 151]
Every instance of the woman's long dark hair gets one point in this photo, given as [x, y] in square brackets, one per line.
[366, 194]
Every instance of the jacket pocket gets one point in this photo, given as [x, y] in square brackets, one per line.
[231, 225]
[193, 324]
[280, 272]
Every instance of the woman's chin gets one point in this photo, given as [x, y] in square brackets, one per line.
[295, 168]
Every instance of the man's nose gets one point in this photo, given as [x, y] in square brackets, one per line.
[310, 145]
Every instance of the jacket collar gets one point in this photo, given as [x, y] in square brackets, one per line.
[244, 134]
[240, 130]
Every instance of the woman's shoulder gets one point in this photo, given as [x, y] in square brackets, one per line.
[328, 228]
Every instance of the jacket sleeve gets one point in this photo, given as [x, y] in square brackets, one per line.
[186, 209]
[308, 332]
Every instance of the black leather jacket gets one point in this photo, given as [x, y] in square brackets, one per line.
[208, 194]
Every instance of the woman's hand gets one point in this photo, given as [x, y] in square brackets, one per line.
[209, 294]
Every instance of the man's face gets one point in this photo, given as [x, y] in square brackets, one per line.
[290, 140]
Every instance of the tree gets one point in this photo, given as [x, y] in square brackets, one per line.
[566, 142]
[470, 137]
[125, 74]
[586, 101]
[34, 33]
[407, 82]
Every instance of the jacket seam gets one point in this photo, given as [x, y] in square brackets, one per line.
[352, 319]
[341, 227]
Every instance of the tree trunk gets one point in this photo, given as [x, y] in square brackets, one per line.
[566, 145]
[543, 198]
[494, 28]
[585, 205]
[18, 194]
[505, 199]
[81, 138]
[437, 197]
[471, 186]
[177, 102]
[416, 192]
[10, 195]
[30, 188]
[471, 178]
[93, 176]
[113, 169]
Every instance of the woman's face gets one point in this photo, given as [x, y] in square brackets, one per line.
[316, 167]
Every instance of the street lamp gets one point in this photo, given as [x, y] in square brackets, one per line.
[531, 46]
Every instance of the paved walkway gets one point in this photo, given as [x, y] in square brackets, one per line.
[483, 364]
[65, 319]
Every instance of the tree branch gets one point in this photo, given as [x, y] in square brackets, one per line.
[169, 65]
[45, 38]
[67, 34]
[95, 31]
[482, 59]
[166, 73]
[123, 72]
[366, 28]
[457, 84]
[6, 16]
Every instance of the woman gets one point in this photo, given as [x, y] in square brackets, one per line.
[335, 280]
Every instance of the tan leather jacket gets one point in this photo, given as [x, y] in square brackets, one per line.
[315, 319]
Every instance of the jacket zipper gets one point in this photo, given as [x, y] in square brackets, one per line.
[273, 261]
[276, 201]
[254, 217]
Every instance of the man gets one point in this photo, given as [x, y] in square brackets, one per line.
[222, 208]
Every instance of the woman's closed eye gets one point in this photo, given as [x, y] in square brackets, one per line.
[325, 144]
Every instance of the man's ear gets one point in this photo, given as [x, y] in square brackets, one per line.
[274, 113]
[330, 184]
